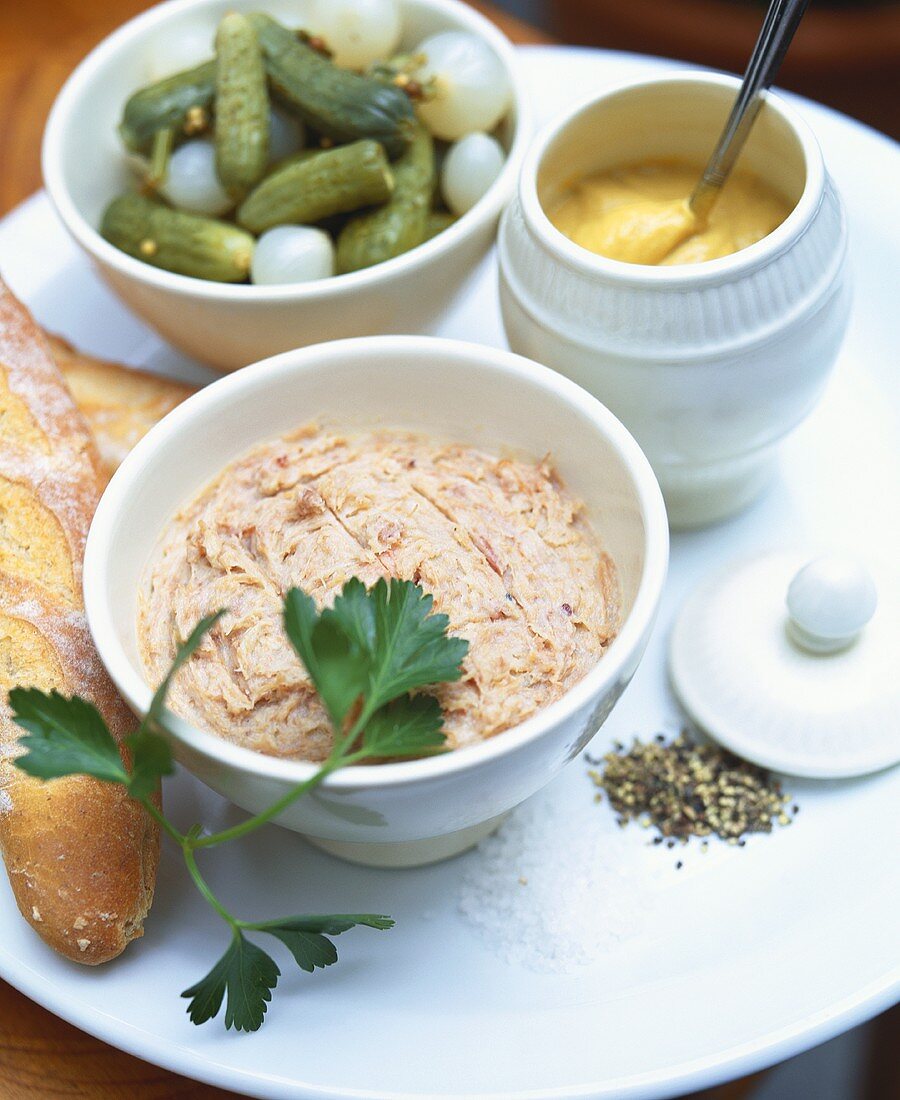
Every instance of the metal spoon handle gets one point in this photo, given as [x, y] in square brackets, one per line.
[778, 29]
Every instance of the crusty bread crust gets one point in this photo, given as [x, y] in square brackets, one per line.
[119, 404]
[81, 856]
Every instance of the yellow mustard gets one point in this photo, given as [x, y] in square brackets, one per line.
[639, 213]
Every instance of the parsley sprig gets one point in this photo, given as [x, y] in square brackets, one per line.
[369, 657]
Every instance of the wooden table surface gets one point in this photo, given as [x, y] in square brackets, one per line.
[41, 1057]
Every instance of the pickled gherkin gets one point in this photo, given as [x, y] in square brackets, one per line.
[400, 224]
[340, 104]
[310, 188]
[182, 103]
[187, 244]
[242, 107]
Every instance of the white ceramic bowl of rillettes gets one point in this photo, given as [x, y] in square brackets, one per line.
[709, 364]
[84, 167]
[421, 810]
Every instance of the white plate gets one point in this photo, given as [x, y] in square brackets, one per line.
[737, 961]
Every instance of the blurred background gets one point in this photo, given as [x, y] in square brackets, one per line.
[846, 52]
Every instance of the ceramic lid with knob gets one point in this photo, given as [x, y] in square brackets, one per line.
[792, 663]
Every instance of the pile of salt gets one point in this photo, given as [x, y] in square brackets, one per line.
[554, 888]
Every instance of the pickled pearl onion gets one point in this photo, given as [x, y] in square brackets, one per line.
[191, 182]
[357, 32]
[471, 88]
[469, 169]
[292, 254]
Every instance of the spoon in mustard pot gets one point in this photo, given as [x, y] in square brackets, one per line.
[779, 25]
[648, 231]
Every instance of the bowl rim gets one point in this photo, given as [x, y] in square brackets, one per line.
[89, 238]
[267, 373]
[737, 263]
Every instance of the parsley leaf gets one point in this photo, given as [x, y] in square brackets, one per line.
[409, 725]
[333, 661]
[246, 976]
[310, 949]
[151, 759]
[64, 737]
[405, 644]
[378, 644]
[305, 936]
[332, 924]
[69, 736]
[354, 613]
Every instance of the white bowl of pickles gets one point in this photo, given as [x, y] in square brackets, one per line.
[252, 176]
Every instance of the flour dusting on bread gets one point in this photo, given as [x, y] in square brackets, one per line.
[81, 856]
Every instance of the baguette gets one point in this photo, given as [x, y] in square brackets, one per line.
[81, 856]
[119, 404]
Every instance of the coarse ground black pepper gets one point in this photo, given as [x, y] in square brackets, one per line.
[687, 788]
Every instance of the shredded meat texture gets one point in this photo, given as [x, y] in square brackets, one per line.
[503, 548]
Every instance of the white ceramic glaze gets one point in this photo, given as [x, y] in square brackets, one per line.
[793, 702]
[449, 390]
[710, 365]
[829, 601]
[229, 326]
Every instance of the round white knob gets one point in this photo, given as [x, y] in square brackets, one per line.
[829, 601]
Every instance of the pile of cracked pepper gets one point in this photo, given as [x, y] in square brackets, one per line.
[685, 787]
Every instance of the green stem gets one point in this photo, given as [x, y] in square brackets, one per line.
[334, 762]
[202, 886]
[163, 141]
[354, 757]
[358, 726]
[163, 821]
[341, 756]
